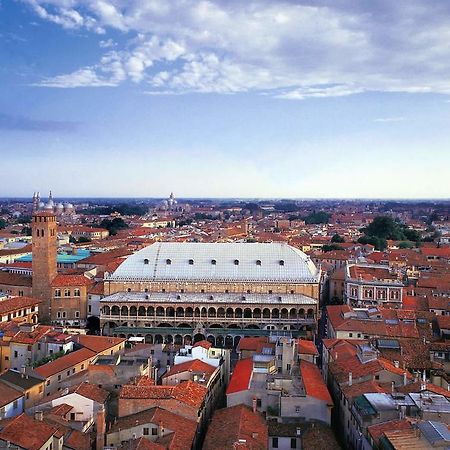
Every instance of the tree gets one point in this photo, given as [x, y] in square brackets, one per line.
[2, 224]
[337, 238]
[317, 217]
[330, 247]
[378, 243]
[82, 240]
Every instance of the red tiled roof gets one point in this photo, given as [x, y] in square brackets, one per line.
[15, 303]
[305, 347]
[71, 280]
[27, 433]
[65, 362]
[195, 365]
[314, 383]
[377, 431]
[229, 425]
[8, 394]
[254, 344]
[242, 374]
[205, 344]
[98, 344]
[190, 393]
[15, 279]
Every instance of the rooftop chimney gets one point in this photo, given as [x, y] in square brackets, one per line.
[254, 403]
[39, 415]
[350, 378]
[101, 429]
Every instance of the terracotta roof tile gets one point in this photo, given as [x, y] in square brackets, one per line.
[314, 383]
[241, 377]
[229, 425]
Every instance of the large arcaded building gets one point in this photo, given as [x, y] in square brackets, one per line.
[184, 292]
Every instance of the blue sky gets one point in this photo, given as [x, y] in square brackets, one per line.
[216, 99]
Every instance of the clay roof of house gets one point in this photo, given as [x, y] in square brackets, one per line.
[314, 383]
[204, 343]
[305, 347]
[229, 425]
[254, 343]
[15, 279]
[377, 431]
[443, 322]
[98, 344]
[141, 444]
[365, 387]
[71, 280]
[15, 303]
[65, 362]
[28, 433]
[241, 377]
[183, 429]
[195, 365]
[8, 394]
[91, 391]
[190, 393]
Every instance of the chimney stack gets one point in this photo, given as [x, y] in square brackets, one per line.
[350, 378]
[254, 403]
[101, 429]
[39, 415]
[405, 379]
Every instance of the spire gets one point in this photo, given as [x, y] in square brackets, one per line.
[50, 196]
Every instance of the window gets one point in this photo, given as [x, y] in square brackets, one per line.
[58, 315]
[15, 404]
[168, 262]
[213, 262]
[236, 262]
[89, 308]
[293, 443]
[275, 442]
[76, 293]
[77, 314]
[57, 292]
[146, 261]
[59, 377]
[66, 292]
[191, 262]
[64, 314]
[72, 416]
[297, 409]
[258, 262]
[258, 403]
[145, 431]
[15, 354]
[281, 262]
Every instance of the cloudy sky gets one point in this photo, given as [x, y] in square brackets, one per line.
[266, 98]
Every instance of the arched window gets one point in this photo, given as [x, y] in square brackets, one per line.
[236, 262]
[146, 261]
[213, 262]
[281, 262]
[168, 262]
[258, 262]
[191, 262]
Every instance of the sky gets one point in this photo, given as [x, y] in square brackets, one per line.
[225, 98]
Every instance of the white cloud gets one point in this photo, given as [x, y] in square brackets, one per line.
[292, 50]
[390, 119]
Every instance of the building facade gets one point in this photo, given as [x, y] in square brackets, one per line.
[187, 292]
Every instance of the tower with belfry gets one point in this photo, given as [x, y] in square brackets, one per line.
[44, 249]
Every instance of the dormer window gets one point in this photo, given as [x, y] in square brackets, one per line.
[168, 262]
[146, 261]
[258, 262]
[281, 262]
[236, 262]
[191, 262]
[213, 262]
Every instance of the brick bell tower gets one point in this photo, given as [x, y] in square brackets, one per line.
[44, 247]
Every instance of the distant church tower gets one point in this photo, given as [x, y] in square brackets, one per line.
[44, 247]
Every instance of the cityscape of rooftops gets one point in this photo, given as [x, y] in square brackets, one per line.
[224, 225]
